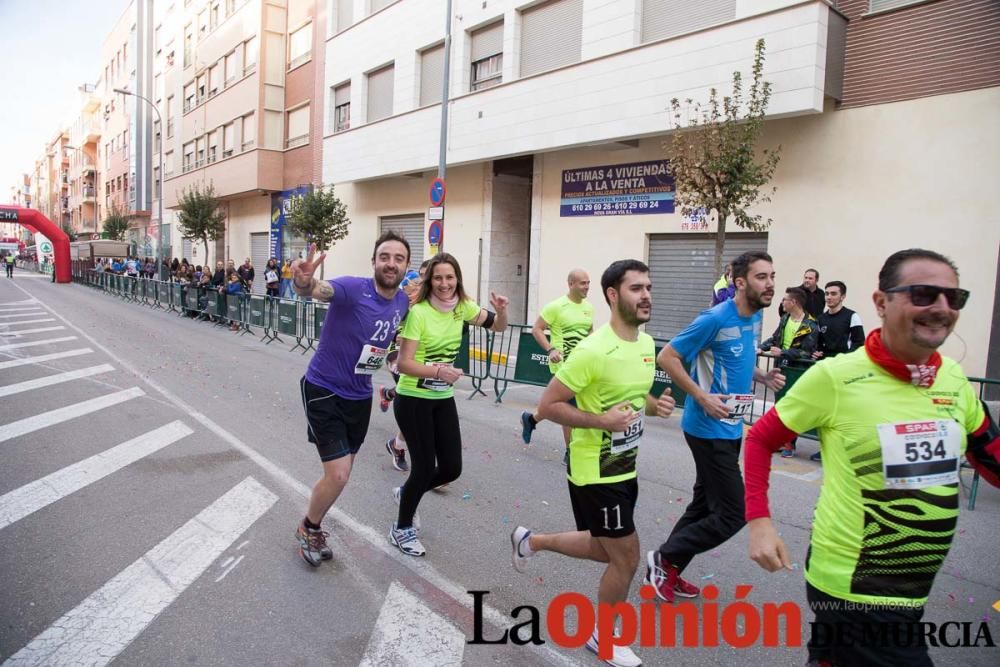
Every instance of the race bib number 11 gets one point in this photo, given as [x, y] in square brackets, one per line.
[916, 455]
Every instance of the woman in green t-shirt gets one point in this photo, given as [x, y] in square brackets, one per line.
[425, 403]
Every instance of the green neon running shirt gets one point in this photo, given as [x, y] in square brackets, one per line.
[604, 371]
[438, 337]
[873, 541]
[569, 323]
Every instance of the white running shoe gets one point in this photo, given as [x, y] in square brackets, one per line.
[406, 540]
[621, 656]
[416, 516]
[518, 537]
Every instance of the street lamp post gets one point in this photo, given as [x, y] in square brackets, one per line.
[159, 200]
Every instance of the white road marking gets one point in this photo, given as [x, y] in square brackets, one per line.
[230, 568]
[27, 313]
[101, 626]
[53, 417]
[377, 539]
[20, 322]
[18, 309]
[44, 357]
[32, 497]
[408, 634]
[15, 346]
[58, 378]
[18, 334]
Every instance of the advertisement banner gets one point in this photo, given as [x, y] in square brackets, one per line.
[279, 209]
[633, 188]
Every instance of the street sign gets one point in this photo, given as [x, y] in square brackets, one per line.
[434, 233]
[437, 192]
[435, 213]
[45, 247]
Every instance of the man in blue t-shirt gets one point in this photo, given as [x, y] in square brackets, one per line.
[720, 346]
[337, 388]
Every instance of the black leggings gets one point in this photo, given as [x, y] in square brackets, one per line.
[430, 427]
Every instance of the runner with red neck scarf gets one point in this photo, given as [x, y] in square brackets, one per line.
[894, 419]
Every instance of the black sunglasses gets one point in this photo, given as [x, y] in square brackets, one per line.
[924, 295]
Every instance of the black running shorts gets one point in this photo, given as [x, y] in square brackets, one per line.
[605, 509]
[337, 426]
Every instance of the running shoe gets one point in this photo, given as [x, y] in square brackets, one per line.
[787, 452]
[385, 397]
[665, 579]
[416, 516]
[441, 488]
[621, 656]
[817, 457]
[312, 545]
[406, 540]
[527, 426]
[518, 538]
[398, 455]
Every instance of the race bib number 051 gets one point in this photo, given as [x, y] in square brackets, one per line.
[621, 442]
[916, 455]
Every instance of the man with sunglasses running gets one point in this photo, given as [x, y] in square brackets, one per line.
[894, 420]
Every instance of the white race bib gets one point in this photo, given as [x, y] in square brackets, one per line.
[739, 406]
[434, 384]
[370, 360]
[916, 455]
[621, 442]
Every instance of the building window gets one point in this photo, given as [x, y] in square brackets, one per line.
[551, 36]
[214, 79]
[170, 117]
[202, 24]
[228, 139]
[250, 56]
[380, 83]
[341, 107]
[188, 44]
[156, 183]
[345, 14]
[249, 132]
[300, 46]
[189, 97]
[202, 87]
[666, 18]
[213, 144]
[380, 4]
[229, 63]
[188, 162]
[156, 136]
[200, 153]
[884, 5]
[213, 16]
[431, 75]
[298, 127]
[486, 49]
[230, 7]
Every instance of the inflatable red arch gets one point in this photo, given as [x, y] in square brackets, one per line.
[35, 222]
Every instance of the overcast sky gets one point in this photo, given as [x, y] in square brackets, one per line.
[50, 47]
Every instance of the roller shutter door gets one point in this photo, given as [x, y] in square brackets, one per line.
[260, 252]
[186, 253]
[681, 268]
[411, 228]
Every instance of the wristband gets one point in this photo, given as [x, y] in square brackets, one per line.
[551, 350]
[437, 372]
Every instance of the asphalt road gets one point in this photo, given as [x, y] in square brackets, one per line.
[154, 470]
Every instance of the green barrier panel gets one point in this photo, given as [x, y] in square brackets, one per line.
[319, 316]
[192, 298]
[213, 302]
[287, 316]
[257, 311]
[661, 381]
[163, 293]
[462, 360]
[233, 307]
[178, 292]
[532, 365]
[220, 306]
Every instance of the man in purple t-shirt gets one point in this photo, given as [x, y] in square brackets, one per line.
[337, 388]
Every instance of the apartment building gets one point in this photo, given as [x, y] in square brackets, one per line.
[84, 146]
[554, 100]
[242, 104]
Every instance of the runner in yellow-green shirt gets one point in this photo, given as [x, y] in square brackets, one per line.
[610, 374]
[425, 404]
[569, 319]
[895, 419]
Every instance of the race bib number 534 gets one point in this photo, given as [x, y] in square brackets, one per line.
[916, 455]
